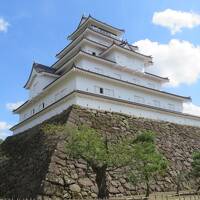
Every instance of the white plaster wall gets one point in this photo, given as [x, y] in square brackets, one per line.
[47, 114]
[83, 81]
[113, 106]
[130, 93]
[100, 39]
[39, 82]
[58, 91]
[128, 60]
[68, 85]
[90, 48]
[107, 105]
[116, 72]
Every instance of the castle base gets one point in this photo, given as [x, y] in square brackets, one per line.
[34, 164]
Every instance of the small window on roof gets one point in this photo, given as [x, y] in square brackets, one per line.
[94, 53]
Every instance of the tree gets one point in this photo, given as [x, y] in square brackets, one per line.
[147, 161]
[100, 153]
[180, 177]
[196, 168]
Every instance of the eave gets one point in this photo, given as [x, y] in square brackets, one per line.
[77, 44]
[78, 92]
[81, 52]
[30, 78]
[155, 77]
[89, 20]
[165, 79]
[137, 85]
[74, 68]
[116, 46]
[45, 90]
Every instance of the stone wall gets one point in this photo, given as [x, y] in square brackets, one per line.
[34, 164]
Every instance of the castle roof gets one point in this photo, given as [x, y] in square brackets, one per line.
[85, 21]
[128, 49]
[43, 68]
[74, 67]
[154, 75]
[39, 68]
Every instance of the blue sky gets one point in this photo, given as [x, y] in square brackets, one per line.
[38, 29]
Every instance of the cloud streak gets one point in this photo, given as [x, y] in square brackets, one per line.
[176, 20]
[3, 25]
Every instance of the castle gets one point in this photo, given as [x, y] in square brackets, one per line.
[99, 70]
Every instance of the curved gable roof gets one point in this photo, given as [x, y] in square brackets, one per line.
[38, 68]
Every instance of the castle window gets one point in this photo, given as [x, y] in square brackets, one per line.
[101, 90]
[156, 103]
[171, 106]
[109, 92]
[138, 99]
[33, 111]
[41, 106]
[94, 53]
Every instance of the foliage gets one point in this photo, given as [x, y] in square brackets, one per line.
[180, 177]
[147, 161]
[89, 145]
[1, 141]
[100, 153]
[196, 168]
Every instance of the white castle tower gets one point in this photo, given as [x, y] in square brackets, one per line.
[99, 70]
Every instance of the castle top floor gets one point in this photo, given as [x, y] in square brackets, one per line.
[92, 23]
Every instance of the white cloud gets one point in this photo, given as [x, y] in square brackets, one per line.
[178, 60]
[13, 106]
[4, 129]
[4, 125]
[3, 25]
[176, 20]
[190, 108]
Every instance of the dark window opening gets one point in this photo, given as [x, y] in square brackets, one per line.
[33, 111]
[101, 91]
[43, 105]
[93, 53]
